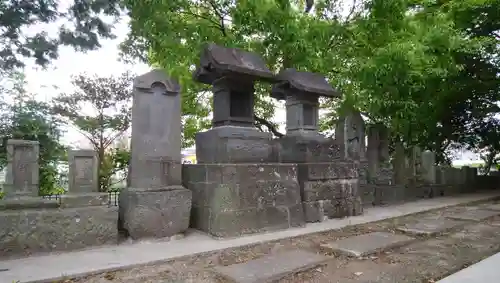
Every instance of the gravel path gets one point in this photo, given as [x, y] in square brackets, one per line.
[425, 260]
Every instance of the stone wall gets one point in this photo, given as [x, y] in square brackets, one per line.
[81, 218]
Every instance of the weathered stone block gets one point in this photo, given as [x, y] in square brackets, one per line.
[367, 194]
[322, 210]
[329, 189]
[389, 194]
[30, 231]
[155, 213]
[323, 171]
[248, 221]
[235, 199]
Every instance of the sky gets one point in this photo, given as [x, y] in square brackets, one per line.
[104, 62]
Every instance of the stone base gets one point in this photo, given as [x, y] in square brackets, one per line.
[329, 190]
[28, 231]
[231, 144]
[154, 213]
[389, 194]
[322, 210]
[230, 200]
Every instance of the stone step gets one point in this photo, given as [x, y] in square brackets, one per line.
[430, 227]
[474, 215]
[271, 267]
[366, 244]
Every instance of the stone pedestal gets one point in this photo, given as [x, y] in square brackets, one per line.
[235, 199]
[22, 179]
[330, 190]
[155, 204]
[234, 144]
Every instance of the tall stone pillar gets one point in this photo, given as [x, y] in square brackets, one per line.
[335, 194]
[155, 204]
[400, 165]
[238, 186]
[377, 149]
[22, 169]
[83, 175]
[428, 167]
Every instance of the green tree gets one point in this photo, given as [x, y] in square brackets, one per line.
[115, 164]
[82, 23]
[100, 109]
[28, 119]
[396, 61]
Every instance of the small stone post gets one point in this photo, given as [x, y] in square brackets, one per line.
[155, 205]
[22, 168]
[83, 175]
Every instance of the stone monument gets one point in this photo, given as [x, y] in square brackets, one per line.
[329, 189]
[234, 192]
[83, 175]
[155, 205]
[350, 131]
[22, 169]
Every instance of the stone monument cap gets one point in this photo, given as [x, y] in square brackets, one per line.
[217, 62]
[308, 82]
[156, 76]
[22, 142]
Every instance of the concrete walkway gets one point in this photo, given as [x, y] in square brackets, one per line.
[485, 271]
[47, 268]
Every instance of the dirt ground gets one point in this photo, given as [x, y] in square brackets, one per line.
[426, 260]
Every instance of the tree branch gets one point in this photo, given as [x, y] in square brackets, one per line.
[261, 121]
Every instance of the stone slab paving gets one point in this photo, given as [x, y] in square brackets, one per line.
[474, 215]
[367, 244]
[271, 268]
[485, 271]
[48, 268]
[493, 206]
[429, 227]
